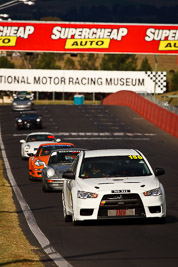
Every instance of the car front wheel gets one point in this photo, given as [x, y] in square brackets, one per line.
[67, 218]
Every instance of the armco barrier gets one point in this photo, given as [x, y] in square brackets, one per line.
[157, 115]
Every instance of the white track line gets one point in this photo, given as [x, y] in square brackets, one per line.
[42, 239]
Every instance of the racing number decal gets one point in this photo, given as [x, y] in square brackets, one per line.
[135, 157]
[8, 41]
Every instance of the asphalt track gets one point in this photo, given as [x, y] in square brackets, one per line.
[121, 243]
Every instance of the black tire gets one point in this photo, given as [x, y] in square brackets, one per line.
[44, 189]
[74, 222]
[16, 126]
[67, 218]
[161, 220]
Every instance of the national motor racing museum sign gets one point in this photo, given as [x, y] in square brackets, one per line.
[72, 37]
[81, 81]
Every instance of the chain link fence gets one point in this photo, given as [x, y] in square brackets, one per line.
[164, 103]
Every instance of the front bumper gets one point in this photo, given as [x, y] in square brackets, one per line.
[27, 152]
[54, 184]
[36, 174]
[28, 125]
[21, 108]
[129, 206]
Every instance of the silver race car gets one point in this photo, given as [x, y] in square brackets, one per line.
[59, 161]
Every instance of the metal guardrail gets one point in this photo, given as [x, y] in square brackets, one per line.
[162, 103]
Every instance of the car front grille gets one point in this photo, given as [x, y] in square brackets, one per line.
[121, 205]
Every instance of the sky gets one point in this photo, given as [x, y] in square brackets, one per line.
[118, 11]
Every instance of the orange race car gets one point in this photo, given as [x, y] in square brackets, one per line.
[42, 154]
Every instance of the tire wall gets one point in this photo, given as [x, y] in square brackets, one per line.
[155, 114]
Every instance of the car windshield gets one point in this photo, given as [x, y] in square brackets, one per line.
[64, 157]
[114, 166]
[22, 98]
[46, 150]
[24, 93]
[40, 137]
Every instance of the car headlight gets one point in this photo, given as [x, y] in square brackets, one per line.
[38, 119]
[14, 104]
[39, 163]
[27, 146]
[50, 172]
[154, 192]
[19, 120]
[85, 195]
[29, 103]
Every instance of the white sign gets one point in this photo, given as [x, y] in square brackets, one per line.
[81, 81]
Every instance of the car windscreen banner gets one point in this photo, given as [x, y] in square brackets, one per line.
[70, 37]
[82, 81]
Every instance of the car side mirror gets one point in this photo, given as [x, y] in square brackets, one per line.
[159, 171]
[22, 141]
[68, 175]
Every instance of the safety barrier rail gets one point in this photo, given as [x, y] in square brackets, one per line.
[164, 119]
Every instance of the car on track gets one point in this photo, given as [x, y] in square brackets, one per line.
[30, 145]
[27, 94]
[112, 184]
[59, 161]
[28, 120]
[42, 155]
[22, 103]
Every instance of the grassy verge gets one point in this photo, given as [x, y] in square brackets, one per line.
[15, 250]
[171, 97]
[59, 102]
[64, 102]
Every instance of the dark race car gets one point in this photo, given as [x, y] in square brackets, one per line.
[28, 120]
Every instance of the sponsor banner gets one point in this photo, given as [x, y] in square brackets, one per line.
[81, 81]
[72, 37]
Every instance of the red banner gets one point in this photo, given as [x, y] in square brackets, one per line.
[68, 37]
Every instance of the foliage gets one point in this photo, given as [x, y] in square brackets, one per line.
[119, 62]
[69, 64]
[45, 61]
[174, 81]
[5, 63]
[50, 18]
[88, 62]
[145, 66]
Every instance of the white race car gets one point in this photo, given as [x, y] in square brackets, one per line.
[112, 184]
[32, 142]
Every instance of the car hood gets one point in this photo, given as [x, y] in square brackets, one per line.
[60, 168]
[21, 102]
[29, 118]
[119, 183]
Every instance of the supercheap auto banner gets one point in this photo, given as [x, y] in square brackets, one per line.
[82, 81]
[68, 37]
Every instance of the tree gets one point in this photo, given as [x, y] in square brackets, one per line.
[45, 61]
[69, 64]
[145, 66]
[88, 62]
[174, 81]
[50, 18]
[119, 62]
[5, 63]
